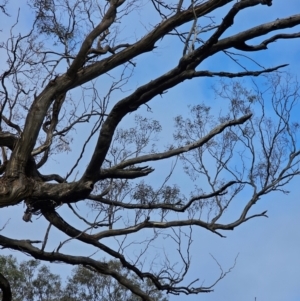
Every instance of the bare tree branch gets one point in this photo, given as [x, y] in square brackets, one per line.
[68, 135]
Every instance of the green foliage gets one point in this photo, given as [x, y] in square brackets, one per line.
[31, 281]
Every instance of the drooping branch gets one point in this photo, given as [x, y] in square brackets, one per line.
[103, 268]
[54, 218]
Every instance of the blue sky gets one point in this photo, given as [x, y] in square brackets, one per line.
[268, 250]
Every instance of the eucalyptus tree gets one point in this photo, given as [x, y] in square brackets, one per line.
[31, 281]
[70, 85]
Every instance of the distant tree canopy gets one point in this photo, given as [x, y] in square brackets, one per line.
[31, 281]
[107, 181]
